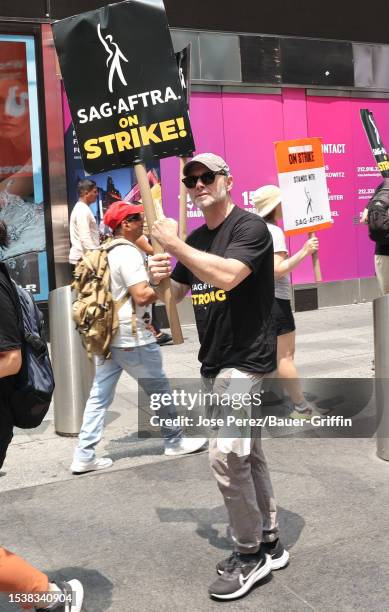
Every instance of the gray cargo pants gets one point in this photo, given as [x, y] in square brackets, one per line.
[244, 481]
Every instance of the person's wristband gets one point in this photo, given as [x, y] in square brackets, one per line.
[154, 285]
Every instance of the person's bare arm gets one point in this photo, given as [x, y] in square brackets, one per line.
[224, 273]
[217, 271]
[143, 244]
[10, 362]
[142, 294]
[284, 264]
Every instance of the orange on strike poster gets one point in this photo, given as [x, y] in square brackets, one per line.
[302, 180]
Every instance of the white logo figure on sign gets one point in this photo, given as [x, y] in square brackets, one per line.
[182, 78]
[115, 56]
[309, 200]
[376, 130]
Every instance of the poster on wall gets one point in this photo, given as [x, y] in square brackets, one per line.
[302, 180]
[118, 184]
[123, 86]
[21, 192]
[247, 145]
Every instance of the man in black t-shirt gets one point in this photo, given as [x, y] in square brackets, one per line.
[228, 266]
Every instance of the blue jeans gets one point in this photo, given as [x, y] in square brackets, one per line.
[142, 362]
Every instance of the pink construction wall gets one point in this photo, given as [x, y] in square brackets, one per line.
[243, 127]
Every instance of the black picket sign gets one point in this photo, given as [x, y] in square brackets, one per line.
[183, 63]
[377, 146]
[122, 82]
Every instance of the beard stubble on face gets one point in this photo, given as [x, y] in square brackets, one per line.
[205, 198]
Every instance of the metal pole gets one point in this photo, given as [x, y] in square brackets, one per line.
[381, 350]
[73, 371]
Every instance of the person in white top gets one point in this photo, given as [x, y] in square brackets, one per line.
[133, 350]
[84, 233]
[267, 201]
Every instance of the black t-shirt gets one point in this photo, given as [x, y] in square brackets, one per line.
[236, 328]
[9, 330]
[381, 249]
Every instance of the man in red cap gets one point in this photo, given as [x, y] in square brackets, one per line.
[133, 349]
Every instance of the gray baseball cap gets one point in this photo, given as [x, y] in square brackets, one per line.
[210, 160]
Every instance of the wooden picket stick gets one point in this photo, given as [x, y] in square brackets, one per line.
[151, 217]
[182, 228]
[315, 261]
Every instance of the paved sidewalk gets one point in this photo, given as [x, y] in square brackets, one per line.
[331, 343]
[146, 534]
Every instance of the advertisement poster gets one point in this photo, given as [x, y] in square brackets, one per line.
[21, 191]
[302, 180]
[114, 185]
[242, 129]
[330, 118]
[351, 171]
[123, 85]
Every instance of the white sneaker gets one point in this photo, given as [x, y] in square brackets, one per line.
[186, 446]
[71, 596]
[78, 596]
[79, 467]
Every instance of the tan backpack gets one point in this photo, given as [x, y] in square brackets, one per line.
[95, 312]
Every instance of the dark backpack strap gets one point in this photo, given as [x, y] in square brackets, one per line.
[37, 344]
[18, 306]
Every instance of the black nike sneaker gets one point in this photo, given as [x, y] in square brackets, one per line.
[279, 556]
[240, 574]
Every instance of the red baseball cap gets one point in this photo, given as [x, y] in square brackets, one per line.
[118, 211]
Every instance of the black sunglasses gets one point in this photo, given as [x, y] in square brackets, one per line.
[207, 178]
[135, 217]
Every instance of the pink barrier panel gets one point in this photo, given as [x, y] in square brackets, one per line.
[252, 123]
[294, 106]
[329, 119]
[206, 119]
[243, 128]
[366, 174]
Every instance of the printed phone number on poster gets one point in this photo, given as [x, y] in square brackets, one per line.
[367, 169]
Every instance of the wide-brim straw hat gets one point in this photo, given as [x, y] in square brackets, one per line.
[266, 198]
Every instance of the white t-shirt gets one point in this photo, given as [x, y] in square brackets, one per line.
[84, 233]
[281, 285]
[127, 268]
